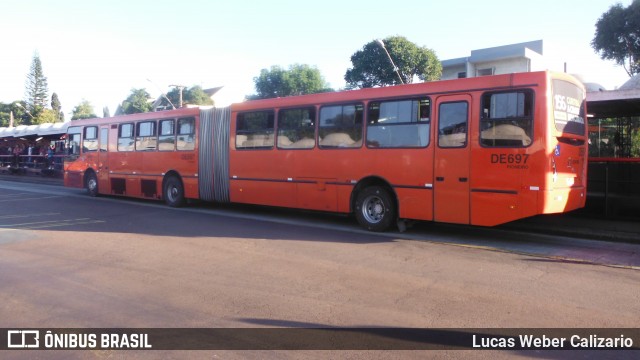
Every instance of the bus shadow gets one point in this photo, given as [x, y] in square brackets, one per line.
[144, 217]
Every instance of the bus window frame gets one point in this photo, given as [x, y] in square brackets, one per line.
[131, 146]
[427, 122]
[313, 127]
[482, 120]
[86, 140]
[467, 123]
[104, 139]
[191, 135]
[319, 126]
[262, 132]
[171, 136]
[70, 154]
[140, 138]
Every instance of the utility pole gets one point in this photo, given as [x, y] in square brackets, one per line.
[180, 88]
[395, 68]
[163, 95]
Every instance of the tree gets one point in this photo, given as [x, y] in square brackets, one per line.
[194, 95]
[297, 80]
[6, 111]
[36, 89]
[137, 102]
[105, 112]
[56, 106]
[46, 116]
[372, 67]
[617, 36]
[84, 110]
[635, 143]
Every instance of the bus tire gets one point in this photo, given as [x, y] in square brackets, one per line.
[375, 209]
[91, 184]
[174, 192]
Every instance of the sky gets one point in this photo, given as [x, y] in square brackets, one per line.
[99, 50]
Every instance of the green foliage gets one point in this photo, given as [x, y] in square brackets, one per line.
[137, 102]
[635, 143]
[56, 106]
[617, 36]
[372, 67]
[36, 89]
[21, 116]
[5, 115]
[297, 80]
[194, 95]
[84, 110]
[46, 116]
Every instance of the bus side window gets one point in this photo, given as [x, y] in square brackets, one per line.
[254, 130]
[90, 141]
[146, 136]
[125, 137]
[398, 124]
[167, 138]
[186, 134]
[104, 140]
[452, 124]
[296, 128]
[507, 119]
[341, 126]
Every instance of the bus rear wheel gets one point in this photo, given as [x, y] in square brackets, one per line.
[375, 209]
[173, 192]
[91, 184]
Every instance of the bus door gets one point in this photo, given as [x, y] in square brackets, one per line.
[451, 163]
[103, 160]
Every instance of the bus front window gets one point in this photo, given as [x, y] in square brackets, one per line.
[72, 143]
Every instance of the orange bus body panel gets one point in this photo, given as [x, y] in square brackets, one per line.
[471, 182]
[140, 173]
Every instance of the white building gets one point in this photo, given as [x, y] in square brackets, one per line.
[507, 59]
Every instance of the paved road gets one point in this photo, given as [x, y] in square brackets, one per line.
[67, 260]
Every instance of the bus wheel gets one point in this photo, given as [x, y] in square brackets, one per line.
[174, 192]
[375, 209]
[91, 184]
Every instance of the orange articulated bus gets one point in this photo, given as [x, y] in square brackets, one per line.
[480, 151]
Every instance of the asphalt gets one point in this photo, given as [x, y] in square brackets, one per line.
[585, 223]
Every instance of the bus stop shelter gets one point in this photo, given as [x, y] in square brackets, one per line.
[613, 181]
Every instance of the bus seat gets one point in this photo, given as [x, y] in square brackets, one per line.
[337, 139]
[507, 132]
[284, 141]
[452, 140]
[240, 139]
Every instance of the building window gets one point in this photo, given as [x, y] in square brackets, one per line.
[462, 75]
[403, 123]
[484, 72]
